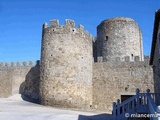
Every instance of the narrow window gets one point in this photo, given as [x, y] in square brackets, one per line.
[106, 38]
[132, 56]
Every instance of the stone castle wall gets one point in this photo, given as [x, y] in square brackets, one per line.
[156, 62]
[12, 76]
[116, 78]
[68, 76]
[118, 37]
[66, 66]
[110, 81]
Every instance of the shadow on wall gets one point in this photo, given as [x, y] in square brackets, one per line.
[29, 89]
[96, 117]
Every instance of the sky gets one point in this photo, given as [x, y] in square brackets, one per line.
[21, 21]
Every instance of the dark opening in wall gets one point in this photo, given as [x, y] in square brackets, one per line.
[125, 97]
[106, 38]
[132, 56]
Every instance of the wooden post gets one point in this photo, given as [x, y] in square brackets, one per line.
[137, 94]
[148, 94]
[148, 91]
[133, 104]
[118, 108]
[114, 111]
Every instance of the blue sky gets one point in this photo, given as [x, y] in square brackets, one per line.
[21, 21]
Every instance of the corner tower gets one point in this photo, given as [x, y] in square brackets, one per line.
[66, 66]
[118, 37]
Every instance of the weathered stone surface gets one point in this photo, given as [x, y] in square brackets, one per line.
[29, 89]
[11, 77]
[156, 65]
[118, 37]
[5, 82]
[68, 77]
[66, 67]
[111, 80]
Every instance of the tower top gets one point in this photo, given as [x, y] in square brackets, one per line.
[68, 28]
[118, 19]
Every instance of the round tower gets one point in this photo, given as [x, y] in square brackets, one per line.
[66, 66]
[119, 37]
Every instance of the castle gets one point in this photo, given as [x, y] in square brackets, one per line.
[79, 71]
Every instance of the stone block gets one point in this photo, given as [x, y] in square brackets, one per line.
[54, 23]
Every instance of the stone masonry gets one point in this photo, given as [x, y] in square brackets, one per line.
[155, 54]
[12, 76]
[113, 79]
[80, 71]
[66, 66]
[118, 37]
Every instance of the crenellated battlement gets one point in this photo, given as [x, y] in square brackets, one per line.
[55, 23]
[68, 28]
[125, 59]
[68, 77]
[18, 64]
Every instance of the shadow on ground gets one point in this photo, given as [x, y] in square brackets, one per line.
[96, 117]
[29, 89]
